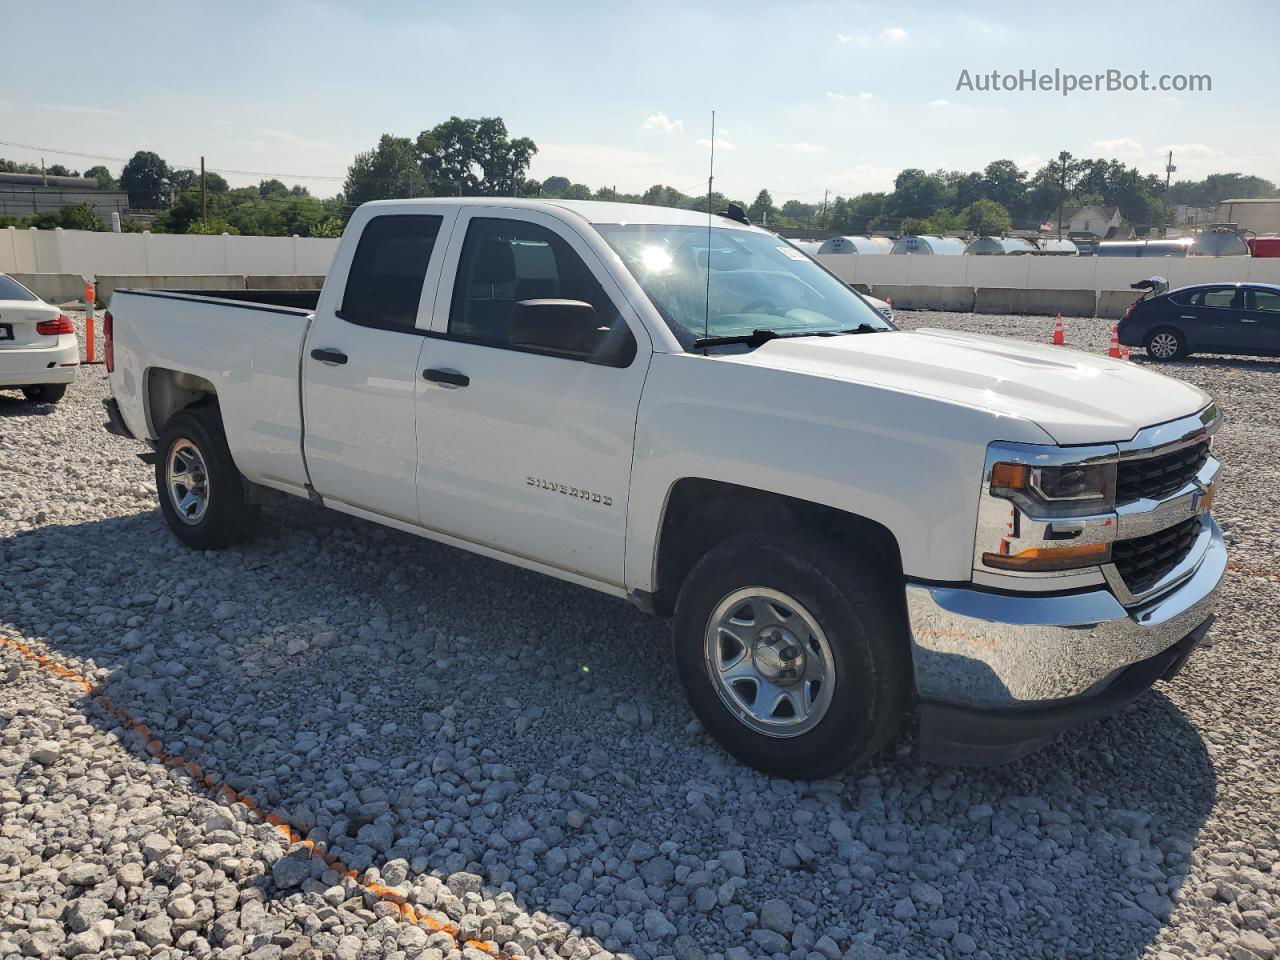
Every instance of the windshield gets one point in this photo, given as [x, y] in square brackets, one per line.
[757, 282]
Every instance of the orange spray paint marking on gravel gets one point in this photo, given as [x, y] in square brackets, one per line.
[404, 911]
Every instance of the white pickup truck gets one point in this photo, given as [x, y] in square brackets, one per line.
[850, 525]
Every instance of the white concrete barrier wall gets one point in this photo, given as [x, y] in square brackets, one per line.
[88, 253]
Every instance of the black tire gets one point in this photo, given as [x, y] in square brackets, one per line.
[226, 518]
[1156, 344]
[865, 631]
[45, 392]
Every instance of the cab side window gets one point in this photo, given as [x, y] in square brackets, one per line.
[1268, 300]
[505, 262]
[384, 284]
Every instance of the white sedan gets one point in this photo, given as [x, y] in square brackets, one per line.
[39, 352]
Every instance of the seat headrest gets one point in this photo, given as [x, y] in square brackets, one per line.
[495, 263]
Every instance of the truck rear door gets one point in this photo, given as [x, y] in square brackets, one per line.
[528, 451]
[359, 365]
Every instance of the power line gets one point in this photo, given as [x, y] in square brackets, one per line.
[176, 166]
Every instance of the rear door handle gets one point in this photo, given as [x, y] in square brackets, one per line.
[451, 378]
[1247, 320]
[328, 355]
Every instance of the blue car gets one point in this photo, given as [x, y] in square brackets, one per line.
[1241, 318]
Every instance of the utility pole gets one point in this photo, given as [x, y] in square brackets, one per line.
[1169, 170]
[204, 197]
[823, 218]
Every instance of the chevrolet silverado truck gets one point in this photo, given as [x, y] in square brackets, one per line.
[851, 527]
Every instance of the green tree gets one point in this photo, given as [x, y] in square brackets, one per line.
[79, 216]
[146, 179]
[272, 188]
[663, 196]
[986, 217]
[1005, 183]
[762, 209]
[473, 157]
[555, 186]
[798, 212]
[190, 180]
[389, 171]
[103, 176]
[58, 170]
[576, 191]
[917, 194]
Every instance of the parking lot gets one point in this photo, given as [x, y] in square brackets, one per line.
[512, 757]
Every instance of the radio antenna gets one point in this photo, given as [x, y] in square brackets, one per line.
[711, 176]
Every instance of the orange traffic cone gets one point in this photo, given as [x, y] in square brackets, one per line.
[1059, 336]
[1124, 353]
[1114, 351]
[889, 301]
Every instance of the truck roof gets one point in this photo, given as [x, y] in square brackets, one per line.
[593, 211]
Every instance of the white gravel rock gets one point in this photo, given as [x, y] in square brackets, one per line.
[426, 713]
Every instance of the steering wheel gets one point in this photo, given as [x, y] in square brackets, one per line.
[759, 302]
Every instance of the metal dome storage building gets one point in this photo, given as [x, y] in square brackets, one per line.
[927, 245]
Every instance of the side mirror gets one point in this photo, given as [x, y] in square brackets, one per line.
[559, 326]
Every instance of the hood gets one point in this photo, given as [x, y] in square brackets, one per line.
[1075, 397]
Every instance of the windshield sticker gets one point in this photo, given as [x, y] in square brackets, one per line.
[793, 253]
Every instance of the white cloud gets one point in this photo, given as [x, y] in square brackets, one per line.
[721, 143]
[76, 108]
[803, 147]
[893, 34]
[939, 103]
[1125, 148]
[660, 121]
[844, 97]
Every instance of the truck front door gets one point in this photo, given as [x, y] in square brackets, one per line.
[360, 362]
[528, 450]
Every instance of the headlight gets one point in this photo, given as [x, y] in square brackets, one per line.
[1057, 516]
[1061, 489]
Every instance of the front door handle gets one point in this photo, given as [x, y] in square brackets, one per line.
[1247, 320]
[328, 355]
[451, 378]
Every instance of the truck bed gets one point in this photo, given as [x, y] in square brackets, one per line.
[249, 351]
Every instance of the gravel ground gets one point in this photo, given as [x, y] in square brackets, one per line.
[513, 754]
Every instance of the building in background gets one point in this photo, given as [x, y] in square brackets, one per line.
[1260, 216]
[25, 194]
[1102, 222]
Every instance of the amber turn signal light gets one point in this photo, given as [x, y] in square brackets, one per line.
[1041, 559]
[1010, 476]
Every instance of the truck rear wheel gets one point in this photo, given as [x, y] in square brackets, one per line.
[793, 658]
[201, 492]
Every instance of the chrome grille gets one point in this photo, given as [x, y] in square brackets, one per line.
[1161, 475]
[1142, 561]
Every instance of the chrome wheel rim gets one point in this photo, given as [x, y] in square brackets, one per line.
[1164, 345]
[769, 662]
[187, 481]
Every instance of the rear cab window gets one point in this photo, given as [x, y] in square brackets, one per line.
[385, 281]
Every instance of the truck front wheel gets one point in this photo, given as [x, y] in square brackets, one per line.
[793, 658]
[201, 492]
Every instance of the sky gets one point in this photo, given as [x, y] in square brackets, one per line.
[809, 96]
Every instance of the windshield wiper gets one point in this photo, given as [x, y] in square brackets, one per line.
[863, 328]
[756, 337]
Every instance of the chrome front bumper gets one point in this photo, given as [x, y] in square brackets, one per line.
[1002, 651]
